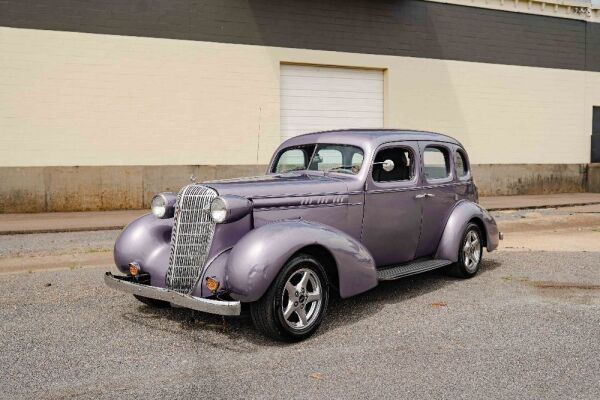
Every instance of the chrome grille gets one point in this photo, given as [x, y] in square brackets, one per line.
[193, 230]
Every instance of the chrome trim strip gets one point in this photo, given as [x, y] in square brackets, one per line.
[276, 196]
[220, 307]
[413, 188]
[306, 206]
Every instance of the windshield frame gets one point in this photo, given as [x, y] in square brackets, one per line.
[316, 146]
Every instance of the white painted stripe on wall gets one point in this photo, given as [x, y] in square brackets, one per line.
[315, 98]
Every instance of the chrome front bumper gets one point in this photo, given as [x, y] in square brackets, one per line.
[221, 307]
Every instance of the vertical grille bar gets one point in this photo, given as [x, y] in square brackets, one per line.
[193, 230]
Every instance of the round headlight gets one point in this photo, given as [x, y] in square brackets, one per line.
[218, 210]
[159, 206]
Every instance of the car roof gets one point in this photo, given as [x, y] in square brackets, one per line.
[373, 137]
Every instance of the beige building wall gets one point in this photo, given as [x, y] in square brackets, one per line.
[92, 121]
[88, 99]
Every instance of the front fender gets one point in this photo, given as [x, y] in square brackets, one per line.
[258, 257]
[463, 212]
[146, 240]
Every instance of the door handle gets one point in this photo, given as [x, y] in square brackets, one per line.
[420, 196]
[429, 195]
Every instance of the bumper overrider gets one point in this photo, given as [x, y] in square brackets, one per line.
[128, 284]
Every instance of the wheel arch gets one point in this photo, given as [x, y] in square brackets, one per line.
[327, 260]
[463, 213]
[478, 221]
[258, 257]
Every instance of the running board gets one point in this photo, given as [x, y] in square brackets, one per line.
[413, 268]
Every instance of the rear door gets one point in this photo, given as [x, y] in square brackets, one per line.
[392, 214]
[440, 194]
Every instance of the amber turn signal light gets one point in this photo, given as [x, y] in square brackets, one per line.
[134, 268]
[212, 284]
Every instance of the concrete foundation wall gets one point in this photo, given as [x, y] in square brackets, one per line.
[44, 189]
[514, 179]
[593, 178]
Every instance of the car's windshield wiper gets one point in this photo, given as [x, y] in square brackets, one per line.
[342, 168]
[294, 169]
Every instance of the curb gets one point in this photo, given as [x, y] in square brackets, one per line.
[62, 230]
[589, 203]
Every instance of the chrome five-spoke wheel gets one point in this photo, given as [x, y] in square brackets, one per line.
[301, 299]
[294, 305]
[472, 251]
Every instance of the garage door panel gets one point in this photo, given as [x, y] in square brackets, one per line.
[308, 103]
[332, 84]
[329, 114]
[332, 122]
[325, 98]
[330, 72]
[328, 94]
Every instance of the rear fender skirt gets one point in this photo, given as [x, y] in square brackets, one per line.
[463, 212]
[258, 257]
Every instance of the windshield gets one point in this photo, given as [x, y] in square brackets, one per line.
[320, 157]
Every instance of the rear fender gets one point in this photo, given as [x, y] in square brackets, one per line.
[463, 212]
[258, 257]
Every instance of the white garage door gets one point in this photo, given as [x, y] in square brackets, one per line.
[325, 98]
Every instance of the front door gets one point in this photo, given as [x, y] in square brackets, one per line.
[392, 213]
[440, 195]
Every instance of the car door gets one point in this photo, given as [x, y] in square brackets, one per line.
[440, 194]
[392, 213]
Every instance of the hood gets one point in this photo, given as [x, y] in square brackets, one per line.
[280, 185]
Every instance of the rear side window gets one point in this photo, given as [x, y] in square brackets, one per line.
[436, 162]
[460, 163]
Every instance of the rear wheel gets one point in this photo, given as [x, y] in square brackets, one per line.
[470, 253]
[152, 302]
[294, 306]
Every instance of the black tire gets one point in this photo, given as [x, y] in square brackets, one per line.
[460, 269]
[152, 302]
[267, 313]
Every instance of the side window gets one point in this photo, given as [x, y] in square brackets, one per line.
[357, 159]
[436, 162]
[460, 163]
[403, 160]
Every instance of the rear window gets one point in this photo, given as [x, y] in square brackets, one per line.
[460, 163]
[436, 162]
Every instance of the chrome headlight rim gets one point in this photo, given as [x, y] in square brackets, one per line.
[218, 210]
[158, 205]
[163, 205]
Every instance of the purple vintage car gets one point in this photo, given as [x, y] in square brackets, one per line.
[337, 211]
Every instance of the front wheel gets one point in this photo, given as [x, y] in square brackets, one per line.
[470, 253]
[294, 306]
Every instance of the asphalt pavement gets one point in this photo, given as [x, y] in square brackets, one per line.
[526, 327]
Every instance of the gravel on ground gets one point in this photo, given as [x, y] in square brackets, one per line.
[525, 327]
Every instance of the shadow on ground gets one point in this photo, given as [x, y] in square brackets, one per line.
[238, 333]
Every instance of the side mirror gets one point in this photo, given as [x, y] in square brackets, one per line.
[387, 165]
[317, 159]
